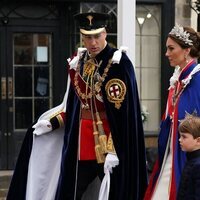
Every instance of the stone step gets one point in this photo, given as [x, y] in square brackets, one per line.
[5, 178]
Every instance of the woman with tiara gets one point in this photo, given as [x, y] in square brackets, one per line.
[183, 50]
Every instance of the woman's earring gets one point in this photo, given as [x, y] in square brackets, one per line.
[186, 59]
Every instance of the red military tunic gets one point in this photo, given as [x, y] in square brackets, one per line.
[90, 104]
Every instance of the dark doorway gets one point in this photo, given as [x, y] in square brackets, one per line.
[28, 66]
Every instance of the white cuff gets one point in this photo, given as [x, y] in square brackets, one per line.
[110, 162]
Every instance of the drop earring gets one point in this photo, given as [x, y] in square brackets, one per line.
[186, 59]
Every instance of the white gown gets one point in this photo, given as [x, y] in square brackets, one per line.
[162, 188]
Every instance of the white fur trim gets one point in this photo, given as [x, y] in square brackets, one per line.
[118, 54]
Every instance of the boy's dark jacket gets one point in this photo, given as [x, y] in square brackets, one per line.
[189, 187]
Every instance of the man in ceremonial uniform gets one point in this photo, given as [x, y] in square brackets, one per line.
[101, 118]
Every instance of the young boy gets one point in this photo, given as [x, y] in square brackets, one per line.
[189, 129]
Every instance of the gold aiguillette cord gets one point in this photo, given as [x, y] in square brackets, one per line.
[102, 135]
[98, 150]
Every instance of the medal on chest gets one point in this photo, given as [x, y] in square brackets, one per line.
[88, 81]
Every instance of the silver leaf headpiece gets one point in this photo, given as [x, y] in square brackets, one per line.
[189, 116]
[179, 32]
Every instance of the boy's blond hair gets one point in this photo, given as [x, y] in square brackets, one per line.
[190, 124]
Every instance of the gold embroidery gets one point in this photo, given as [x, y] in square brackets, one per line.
[88, 95]
[116, 90]
[110, 145]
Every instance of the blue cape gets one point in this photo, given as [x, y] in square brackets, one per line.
[129, 178]
[189, 101]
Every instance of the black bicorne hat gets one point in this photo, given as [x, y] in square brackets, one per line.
[92, 23]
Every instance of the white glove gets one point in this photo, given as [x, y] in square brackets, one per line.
[41, 127]
[110, 162]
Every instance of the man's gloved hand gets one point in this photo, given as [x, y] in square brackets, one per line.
[110, 162]
[42, 127]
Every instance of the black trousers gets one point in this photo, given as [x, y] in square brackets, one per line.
[87, 172]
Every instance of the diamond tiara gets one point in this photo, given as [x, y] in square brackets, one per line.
[179, 32]
[189, 116]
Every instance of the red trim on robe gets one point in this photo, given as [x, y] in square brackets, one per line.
[151, 186]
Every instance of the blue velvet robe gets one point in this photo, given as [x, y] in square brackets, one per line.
[187, 101]
[129, 178]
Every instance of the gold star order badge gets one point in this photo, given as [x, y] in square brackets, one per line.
[116, 90]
